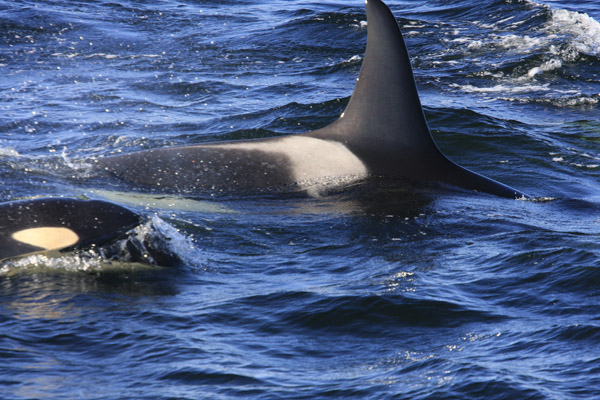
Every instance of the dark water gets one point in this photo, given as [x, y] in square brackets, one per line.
[372, 292]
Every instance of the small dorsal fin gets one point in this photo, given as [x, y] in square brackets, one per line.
[384, 123]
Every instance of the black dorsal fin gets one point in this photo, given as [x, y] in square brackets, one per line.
[384, 124]
[384, 112]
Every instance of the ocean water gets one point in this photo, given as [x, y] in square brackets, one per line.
[375, 291]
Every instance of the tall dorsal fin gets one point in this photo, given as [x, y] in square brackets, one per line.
[384, 123]
[384, 112]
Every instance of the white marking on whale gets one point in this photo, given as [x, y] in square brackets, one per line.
[47, 238]
[312, 161]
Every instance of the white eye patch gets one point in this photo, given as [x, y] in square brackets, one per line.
[48, 238]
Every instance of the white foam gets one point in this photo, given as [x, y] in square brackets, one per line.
[583, 32]
[521, 43]
[563, 38]
[550, 65]
[177, 242]
[515, 88]
[73, 262]
[583, 29]
[8, 152]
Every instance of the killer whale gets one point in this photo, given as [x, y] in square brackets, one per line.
[47, 225]
[58, 226]
[382, 132]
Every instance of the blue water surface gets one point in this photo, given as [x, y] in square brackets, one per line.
[374, 291]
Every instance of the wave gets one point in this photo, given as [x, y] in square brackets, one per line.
[582, 30]
[352, 315]
[578, 31]
[520, 52]
[195, 376]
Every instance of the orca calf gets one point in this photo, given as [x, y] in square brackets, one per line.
[382, 132]
[60, 224]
